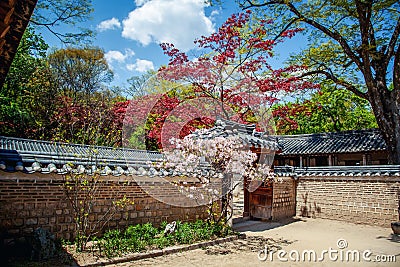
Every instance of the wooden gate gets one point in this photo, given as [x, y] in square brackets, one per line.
[260, 202]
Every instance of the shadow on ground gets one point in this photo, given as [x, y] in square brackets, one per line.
[259, 225]
[21, 256]
[391, 237]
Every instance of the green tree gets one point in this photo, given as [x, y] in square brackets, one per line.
[80, 72]
[67, 101]
[16, 94]
[328, 110]
[53, 14]
[137, 85]
[150, 83]
[353, 43]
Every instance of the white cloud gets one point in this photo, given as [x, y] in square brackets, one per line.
[141, 65]
[117, 56]
[114, 55]
[173, 21]
[110, 24]
[214, 13]
[141, 2]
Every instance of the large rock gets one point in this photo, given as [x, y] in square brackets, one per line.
[43, 245]
[396, 227]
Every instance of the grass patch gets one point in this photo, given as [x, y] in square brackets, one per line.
[142, 237]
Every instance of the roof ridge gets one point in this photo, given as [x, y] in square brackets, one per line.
[347, 132]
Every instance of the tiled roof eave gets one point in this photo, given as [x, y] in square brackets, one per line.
[329, 153]
[339, 171]
[46, 158]
[358, 141]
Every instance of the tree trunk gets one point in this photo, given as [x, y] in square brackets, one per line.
[391, 134]
[386, 107]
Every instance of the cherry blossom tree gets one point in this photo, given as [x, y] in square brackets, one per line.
[225, 156]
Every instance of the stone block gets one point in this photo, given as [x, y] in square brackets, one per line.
[31, 221]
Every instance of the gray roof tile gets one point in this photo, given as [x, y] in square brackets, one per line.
[369, 170]
[45, 152]
[246, 133]
[32, 156]
[328, 143]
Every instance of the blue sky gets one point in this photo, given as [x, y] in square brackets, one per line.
[130, 31]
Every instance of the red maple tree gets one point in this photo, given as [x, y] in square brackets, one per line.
[231, 79]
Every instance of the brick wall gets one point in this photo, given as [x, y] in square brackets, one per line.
[284, 199]
[369, 200]
[29, 201]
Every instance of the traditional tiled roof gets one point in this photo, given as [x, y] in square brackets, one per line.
[337, 171]
[50, 157]
[328, 143]
[246, 133]
[43, 156]
[32, 156]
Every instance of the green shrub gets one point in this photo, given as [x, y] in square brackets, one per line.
[202, 230]
[138, 237]
[164, 241]
[184, 233]
[112, 243]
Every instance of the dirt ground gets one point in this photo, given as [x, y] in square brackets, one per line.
[293, 243]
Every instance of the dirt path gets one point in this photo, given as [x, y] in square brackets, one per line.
[293, 238]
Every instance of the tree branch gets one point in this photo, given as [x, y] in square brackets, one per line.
[392, 43]
[396, 70]
[251, 4]
[337, 37]
[343, 43]
[336, 80]
[286, 27]
[364, 15]
[64, 38]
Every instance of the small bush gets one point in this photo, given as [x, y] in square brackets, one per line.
[164, 241]
[139, 237]
[145, 232]
[112, 244]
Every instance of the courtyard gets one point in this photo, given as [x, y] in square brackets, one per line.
[298, 234]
